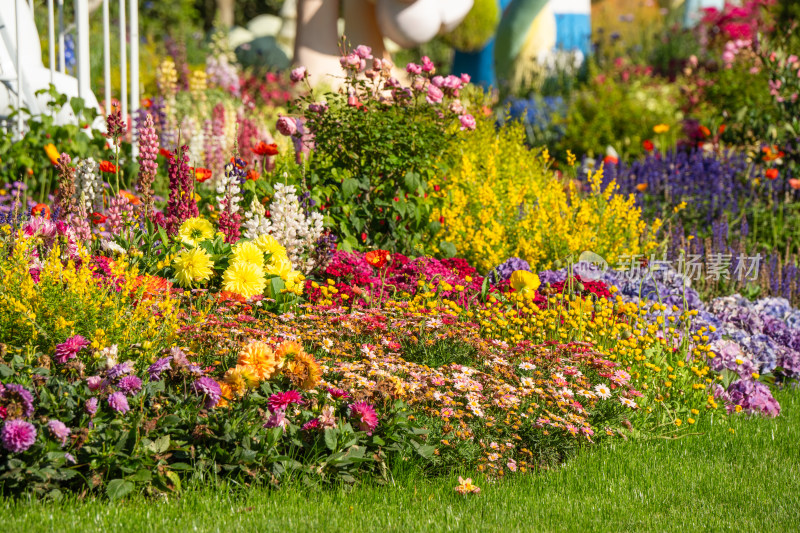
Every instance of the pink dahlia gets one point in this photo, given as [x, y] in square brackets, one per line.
[59, 430]
[70, 348]
[18, 435]
[119, 403]
[365, 415]
[338, 394]
[281, 400]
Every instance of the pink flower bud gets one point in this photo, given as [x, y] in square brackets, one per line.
[298, 74]
[427, 65]
[413, 68]
[287, 126]
[465, 78]
[364, 52]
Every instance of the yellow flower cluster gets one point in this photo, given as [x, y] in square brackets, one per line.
[502, 200]
[68, 300]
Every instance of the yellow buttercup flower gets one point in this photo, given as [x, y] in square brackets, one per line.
[661, 128]
[525, 282]
[193, 266]
[248, 252]
[244, 279]
[195, 230]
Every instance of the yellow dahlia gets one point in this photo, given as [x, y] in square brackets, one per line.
[247, 252]
[192, 266]
[244, 279]
[270, 245]
[279, 266]
[195, 230]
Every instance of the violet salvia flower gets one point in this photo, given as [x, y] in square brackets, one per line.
[119, 403]
[181, 204]
[17, 435]
[17, 400]
[208, 388]
[70, 348]
[148, 165]
[130, 385]
[91, 406]
[160, 366]
[59, 431]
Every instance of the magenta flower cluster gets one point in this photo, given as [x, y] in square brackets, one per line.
[181, 204]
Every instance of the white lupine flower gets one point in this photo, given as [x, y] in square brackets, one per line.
[88, 185]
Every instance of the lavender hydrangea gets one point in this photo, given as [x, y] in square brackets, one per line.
[17, 435]
[503, 271]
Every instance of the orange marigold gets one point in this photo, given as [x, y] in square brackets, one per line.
[260, 357]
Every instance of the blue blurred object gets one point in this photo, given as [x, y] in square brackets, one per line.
[574, 32]
[479, 65]
[69, 51]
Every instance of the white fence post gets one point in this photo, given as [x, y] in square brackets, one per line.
[82, 48]
[51, 40]
[107, 57]
[61, 57]
[18, 67]
[134, 23]
[123, 63]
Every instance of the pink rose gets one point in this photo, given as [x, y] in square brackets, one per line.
[377, 64]
[438, 81]
[287, 126]
[434, 95]
[465, 78]
[413, 68]
[427, 65]
[298, 74]
[364, 52]
[467, 122]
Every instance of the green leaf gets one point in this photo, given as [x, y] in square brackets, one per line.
[117, 488]
[6, 371]
[447, 248]
[141, 476]
[349, 187]
[330, 438]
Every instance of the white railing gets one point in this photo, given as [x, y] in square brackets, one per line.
[128, 29]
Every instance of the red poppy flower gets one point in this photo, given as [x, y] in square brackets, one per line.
[722, 129]
[166, 153]
[107, 166]
[262, 149]
[771, 173]
[364, 236]
[253, 175]
[610, 159]
[794, 183]
[436, 188]
[202, 174]
[648, 145]
[705, 132]
[132, 198]
[147, 103]
[40, 210]
[97, 218]
[378, 258]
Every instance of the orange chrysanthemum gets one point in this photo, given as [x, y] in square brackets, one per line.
[302, 370]
[260, 358]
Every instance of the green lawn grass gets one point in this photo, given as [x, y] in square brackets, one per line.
[718, 481]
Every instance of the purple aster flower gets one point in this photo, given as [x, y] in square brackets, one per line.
[159, 367]
[59, 430]
[70, 348]
[119, 403]
[209, 388]
[91, 406]
[120, 370]
[17, 435]
[17, 400]
[130, 385]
